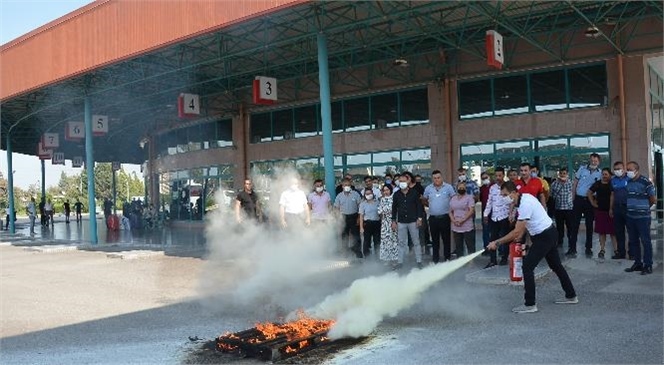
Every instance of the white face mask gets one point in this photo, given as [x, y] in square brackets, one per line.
[403, 185]
[369, 196]
[592, 167]
[347, 189]
[319, 189]
[485, 182]
[462, 178]
[619, 172]
[631, 174]
[294, 186]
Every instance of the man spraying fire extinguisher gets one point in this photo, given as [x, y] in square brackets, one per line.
[544, 236]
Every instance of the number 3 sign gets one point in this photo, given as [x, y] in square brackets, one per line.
[265, 90]
[99, 125]
[74, 131]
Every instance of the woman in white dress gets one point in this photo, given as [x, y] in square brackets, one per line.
[389, 248]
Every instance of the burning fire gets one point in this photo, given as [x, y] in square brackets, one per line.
[302, 328]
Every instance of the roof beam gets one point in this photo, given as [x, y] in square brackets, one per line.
[615, 46]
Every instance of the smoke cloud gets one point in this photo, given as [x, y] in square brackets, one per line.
[361, 307]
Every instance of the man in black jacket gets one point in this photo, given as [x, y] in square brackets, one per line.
[407, 217]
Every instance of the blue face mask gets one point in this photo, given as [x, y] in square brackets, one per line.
[388, 181]
[533, 174]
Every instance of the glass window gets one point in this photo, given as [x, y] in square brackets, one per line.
[510, 95]
[475, 99]
[306, 121]
[182, 143]
[209, 134]
[477, 149]
[359, 159]
[282, 124]
[384, 111]
[225, 133]
[308, 169]
[381, 170]
[195, 138]
[552, 145]
[386, 157]
[590, 142]
[356, 114]
[261, 130]
[337, 117]
[548, 90]
[414, 107]
[587, 86]
[416, 155]
[513, 147]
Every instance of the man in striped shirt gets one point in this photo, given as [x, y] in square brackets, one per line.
[496, 214]
[561, 193]
[640, 197]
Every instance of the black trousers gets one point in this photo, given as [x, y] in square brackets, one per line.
[439, 225]
[371, 236]
[582, 207]
[499, 229]
[544, 247]
[565, 218]
[352, 230]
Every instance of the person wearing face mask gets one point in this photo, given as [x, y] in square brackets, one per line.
[484, 198]
[370, 222]
[407, 217]
[437, 197]
[640, 197]
[319, 202]
[533, 218]
[389, 246]
[340, 187]
[563, 197]
[599, 196]
[585, 177]
[618, 208]
[293, 207]
[369, 185]
[462, 210]
[347, 203]
[471, 186]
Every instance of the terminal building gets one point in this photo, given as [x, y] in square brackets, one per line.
[413, 86]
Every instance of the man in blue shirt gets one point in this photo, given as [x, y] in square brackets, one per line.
[640, 197]
[618, 209]
[585, 177]
[437, 197]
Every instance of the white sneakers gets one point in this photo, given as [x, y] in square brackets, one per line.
[525, 309]
[573, 300]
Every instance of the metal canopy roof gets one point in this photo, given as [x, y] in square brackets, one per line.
[139, 95]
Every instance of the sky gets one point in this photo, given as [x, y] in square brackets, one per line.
[18, 17]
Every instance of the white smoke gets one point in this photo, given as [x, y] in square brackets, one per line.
[362, 306]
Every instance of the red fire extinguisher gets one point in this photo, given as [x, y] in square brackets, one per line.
[516, 261]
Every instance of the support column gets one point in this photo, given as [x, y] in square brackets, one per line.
[10, 185]
[43, 181]
[326, 113]
[90, 169]
[115, 192]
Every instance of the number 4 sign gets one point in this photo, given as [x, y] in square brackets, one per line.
[99, 125]
[189, 105]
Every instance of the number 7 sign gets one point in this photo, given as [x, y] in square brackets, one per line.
[50, 140]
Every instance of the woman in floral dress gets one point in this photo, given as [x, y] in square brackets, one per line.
[389, 248]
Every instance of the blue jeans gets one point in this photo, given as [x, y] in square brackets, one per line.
[639, 234]
[486, 230]
[402, 234]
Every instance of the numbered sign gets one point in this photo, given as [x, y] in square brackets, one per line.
[43, 153]
[77, 161]
[99, 125]
[74, 131]
[116, 165]
[189, 105]
[58, 158]
[494, 49]
[264, 90]
[50, 140]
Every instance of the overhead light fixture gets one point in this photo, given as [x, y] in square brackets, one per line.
[401, 62]
[592, 32]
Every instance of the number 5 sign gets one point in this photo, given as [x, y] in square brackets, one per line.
[99, 125]
[74, 131]
[265, 90]
[50, 140]
[188, 105]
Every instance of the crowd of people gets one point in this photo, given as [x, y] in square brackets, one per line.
[399, 214]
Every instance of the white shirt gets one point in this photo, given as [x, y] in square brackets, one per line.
[531, 211]
[496, 205]
[48, 207]
[31, 208]
[293, 201]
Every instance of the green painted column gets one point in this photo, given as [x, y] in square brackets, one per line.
[90, 169]
[10, 185]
